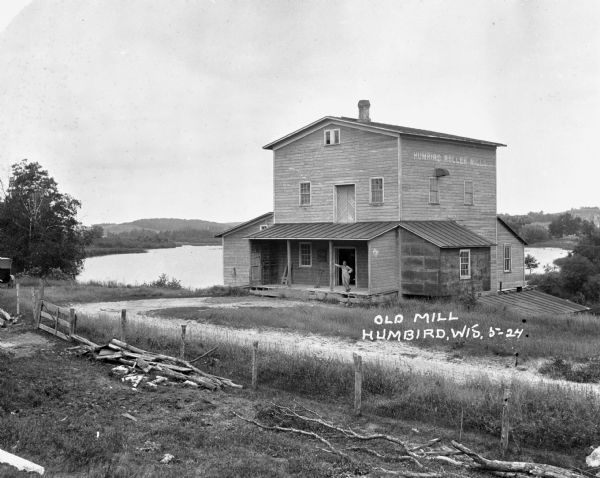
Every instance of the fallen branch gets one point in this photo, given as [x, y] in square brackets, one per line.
[531, 469]
[409, 474]
[331, 448]
[348, 432]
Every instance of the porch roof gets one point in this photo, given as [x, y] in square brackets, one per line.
[356, 231]
[444, 234]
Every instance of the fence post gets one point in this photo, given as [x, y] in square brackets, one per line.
[34, 308]
[182, 344]
[123, 326]
[41, 290]
[72, 322]
[357, 383]
[56, 319]
[505, 421]
[255, 365]
[18, 302]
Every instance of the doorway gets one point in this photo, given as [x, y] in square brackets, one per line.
[345, 203]
[347, 254]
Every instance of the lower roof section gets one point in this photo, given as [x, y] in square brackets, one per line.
[531, 302]
[355, 231]
[444, 234]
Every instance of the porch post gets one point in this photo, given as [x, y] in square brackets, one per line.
[289, 263]
[369, 265]
[331, 267]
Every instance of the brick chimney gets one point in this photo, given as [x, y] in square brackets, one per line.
[363, 111]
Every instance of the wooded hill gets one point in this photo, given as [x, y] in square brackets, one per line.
[166, 224]
[143, 234]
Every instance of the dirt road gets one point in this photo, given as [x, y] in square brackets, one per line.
[399, 355]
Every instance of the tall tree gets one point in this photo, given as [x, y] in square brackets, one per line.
[565, 225]
[531, 263]
[38, 224]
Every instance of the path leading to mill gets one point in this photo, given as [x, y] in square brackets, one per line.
[399, 355]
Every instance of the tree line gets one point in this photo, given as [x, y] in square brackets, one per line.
[535, 227]
[579, 276]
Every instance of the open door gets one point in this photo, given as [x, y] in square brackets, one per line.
[348, 255]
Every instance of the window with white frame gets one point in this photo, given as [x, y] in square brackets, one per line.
[376, 190]
[434, 193]
[305, 254]
[469, 193]
[507, 258]
[264, 226]
[332, 136]
[465, 263]
[305, 194]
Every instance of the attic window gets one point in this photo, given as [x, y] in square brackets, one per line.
[263, 227]
[332, 136]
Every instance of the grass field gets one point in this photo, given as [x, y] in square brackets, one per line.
[546, 417]
[549, 424]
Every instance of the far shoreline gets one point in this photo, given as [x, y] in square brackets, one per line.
[109, 251]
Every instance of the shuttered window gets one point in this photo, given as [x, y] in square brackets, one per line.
[468, 193]
[465, 263]
[434, 195]
[376, 190]
[332, 136]
[305, 254]
[305, 194]
[507, 258]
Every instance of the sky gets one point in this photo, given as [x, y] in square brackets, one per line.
[146, 108]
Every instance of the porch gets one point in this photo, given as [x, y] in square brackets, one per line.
[325, 294]
[300, 259]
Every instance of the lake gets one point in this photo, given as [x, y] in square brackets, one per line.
[202, 266]
[194, 266]
[545, 255]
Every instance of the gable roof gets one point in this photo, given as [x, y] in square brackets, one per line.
[511, 230]
[444, 234]
[243, 224]
[380, 128]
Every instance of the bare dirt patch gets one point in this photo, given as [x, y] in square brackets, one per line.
[18, 344]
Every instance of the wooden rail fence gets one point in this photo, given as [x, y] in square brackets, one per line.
[58, 318]
[55, 320]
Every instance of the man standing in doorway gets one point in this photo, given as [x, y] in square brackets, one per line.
[346, 271]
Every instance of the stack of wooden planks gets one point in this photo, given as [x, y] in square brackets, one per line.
[147, 363]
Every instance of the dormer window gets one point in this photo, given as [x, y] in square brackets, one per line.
[332, 136]
[263, 227]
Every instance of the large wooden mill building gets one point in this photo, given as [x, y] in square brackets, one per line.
[412, 212]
